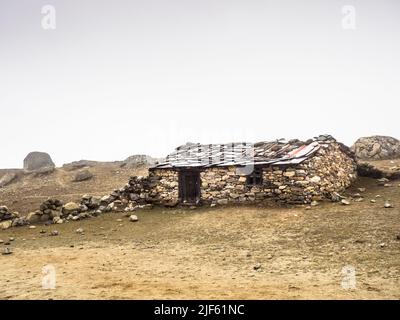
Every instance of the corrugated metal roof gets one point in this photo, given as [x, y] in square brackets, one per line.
[279, 152]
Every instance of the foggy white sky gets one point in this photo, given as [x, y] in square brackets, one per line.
[124, 77]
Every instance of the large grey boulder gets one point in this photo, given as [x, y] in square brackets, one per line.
[376, 148]
[139, 160]
[38, 162]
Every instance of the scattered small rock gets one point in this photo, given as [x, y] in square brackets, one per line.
[133, 218]
[314, 203]
[32, 227]
[359, 241]
[6, 251]
[54, 233]
[11, 239]
[58, 220]
[372, 200]
[361, 189]
[388, 205]
[257, 266]
[345, 202]
[222, 201]
[79, 230]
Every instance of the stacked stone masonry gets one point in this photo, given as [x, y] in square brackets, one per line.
[323, 175]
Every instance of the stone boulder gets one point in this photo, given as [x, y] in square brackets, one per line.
[5, 214]
[82, 175]
[5, 224]
[38, 162]
[33, 217]
[79, 165]
[7, 179]
[71, 208]
[376, 148]
[139, 160]
[91, 202]
[133, 218]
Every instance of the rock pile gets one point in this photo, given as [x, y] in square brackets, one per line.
[91, 202]
[48, 210]
[376, 148]
[137, 190]
[133, 196]
[5, 214]
[55, 211]
[10, 219]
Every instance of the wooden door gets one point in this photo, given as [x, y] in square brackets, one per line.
[189, 187]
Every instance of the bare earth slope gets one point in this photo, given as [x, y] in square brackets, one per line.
[212, 252]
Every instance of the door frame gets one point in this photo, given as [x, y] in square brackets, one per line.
[182, 192]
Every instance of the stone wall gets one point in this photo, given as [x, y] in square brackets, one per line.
[223, 185]
[165, 187]
[327, 173]
[330, 171]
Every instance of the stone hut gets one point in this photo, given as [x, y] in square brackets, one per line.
[286, 171]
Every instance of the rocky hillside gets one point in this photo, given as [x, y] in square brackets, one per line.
[25, 192]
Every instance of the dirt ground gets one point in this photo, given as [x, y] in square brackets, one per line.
[211, 253]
